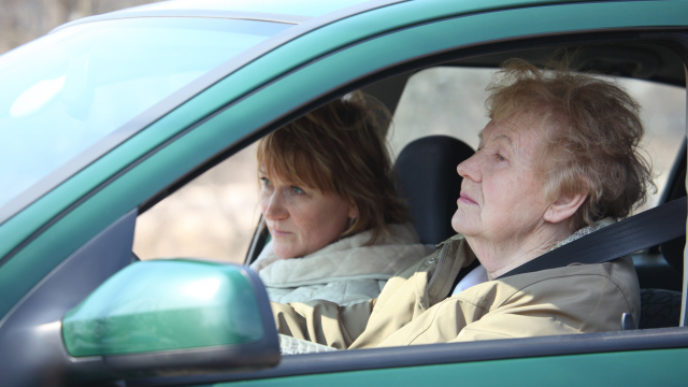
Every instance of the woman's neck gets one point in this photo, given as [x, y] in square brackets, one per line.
[504, 256]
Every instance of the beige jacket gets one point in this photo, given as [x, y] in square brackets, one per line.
[413, 307]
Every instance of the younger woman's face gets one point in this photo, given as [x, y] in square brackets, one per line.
[301, 220]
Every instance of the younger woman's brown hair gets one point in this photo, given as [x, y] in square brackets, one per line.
[340, 148]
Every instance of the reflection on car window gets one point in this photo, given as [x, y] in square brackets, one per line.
[91, 79]
[450, 101]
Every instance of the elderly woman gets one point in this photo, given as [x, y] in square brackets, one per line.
[338, 229]
[557, 160]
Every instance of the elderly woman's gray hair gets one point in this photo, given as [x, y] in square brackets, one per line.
[596, 129]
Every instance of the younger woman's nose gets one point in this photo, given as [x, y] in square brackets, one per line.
[273, 207]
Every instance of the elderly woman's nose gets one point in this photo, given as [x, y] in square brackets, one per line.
[468, 168]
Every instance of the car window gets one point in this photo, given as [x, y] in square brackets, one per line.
[215, 215]
[450, 101]
[211, 217]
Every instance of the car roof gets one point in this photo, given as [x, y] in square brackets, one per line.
[275, 11]
[291, 11]
[309, 15]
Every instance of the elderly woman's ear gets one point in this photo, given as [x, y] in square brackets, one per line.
[564, 207]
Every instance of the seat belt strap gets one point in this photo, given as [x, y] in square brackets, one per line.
[646, 229]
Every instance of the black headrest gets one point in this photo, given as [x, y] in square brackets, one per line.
[428, 180]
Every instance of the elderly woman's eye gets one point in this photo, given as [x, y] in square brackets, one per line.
[499, 157]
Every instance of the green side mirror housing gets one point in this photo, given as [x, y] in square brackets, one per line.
[165, 316]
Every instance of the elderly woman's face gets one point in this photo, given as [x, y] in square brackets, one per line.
[301, 220]
[502, 195]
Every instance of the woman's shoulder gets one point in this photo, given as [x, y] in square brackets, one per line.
[611, 280]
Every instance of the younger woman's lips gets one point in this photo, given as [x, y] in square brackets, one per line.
[277, 232]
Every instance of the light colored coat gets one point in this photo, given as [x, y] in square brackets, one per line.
[413, 308]
[343, 272]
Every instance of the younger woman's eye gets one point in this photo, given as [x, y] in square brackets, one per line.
[297, 190]
[264, 181]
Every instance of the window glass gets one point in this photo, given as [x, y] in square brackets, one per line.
[212, 217]
[66, 92]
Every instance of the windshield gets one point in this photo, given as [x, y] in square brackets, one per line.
[68, 91]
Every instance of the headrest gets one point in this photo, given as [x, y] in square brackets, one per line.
[428, 180]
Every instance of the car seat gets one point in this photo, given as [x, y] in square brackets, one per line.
[661, 306]
[427, 179]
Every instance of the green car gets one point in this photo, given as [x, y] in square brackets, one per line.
[107, 119]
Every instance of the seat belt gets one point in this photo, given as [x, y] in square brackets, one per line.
[641, 231]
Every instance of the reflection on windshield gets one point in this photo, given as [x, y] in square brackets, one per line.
[36, 97]
[66, 92]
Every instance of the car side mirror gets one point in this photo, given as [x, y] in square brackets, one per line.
[172, 317]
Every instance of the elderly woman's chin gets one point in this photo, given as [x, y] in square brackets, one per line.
[462, 223]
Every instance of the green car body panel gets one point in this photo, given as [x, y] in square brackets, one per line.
[591, 370]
